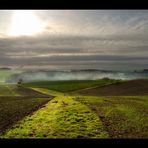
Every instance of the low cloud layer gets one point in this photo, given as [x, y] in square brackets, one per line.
[82, 39]
[72, 75]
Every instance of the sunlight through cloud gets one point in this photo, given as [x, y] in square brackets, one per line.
[25, 22]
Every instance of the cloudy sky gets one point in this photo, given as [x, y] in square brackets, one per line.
[74, 39]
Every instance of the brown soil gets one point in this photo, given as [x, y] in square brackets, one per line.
[132, 87]
[18, 115]
[30, 92]
[14, 108]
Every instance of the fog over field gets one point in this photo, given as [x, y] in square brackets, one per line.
[74, 75]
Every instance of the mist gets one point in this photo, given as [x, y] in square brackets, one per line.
[42, 75]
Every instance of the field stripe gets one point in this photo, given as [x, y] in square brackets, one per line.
[62, 117]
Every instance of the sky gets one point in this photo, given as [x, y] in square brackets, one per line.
[74, 39]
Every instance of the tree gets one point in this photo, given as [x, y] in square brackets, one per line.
[20, 81]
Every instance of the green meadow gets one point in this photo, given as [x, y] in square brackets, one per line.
[68, 86]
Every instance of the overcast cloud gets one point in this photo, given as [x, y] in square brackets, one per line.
[101, 39]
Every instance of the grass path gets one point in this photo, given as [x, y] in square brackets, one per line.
[48, 91]
[62, 117]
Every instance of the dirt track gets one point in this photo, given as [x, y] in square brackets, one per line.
[133, 88]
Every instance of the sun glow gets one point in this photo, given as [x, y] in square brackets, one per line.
[25, 22]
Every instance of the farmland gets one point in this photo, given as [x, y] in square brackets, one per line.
[123, 117]
[8, 90]
[128, 88]
[67, 86]
[73, 114]
[15, 103]
[60, 118]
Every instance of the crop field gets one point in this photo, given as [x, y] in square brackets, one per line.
[67, 86]
[13, 90]
[60, 118]
[8, 90]
[13, 109]
[15, 103]
[129, 88]
[122, 117]
[69, 113]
